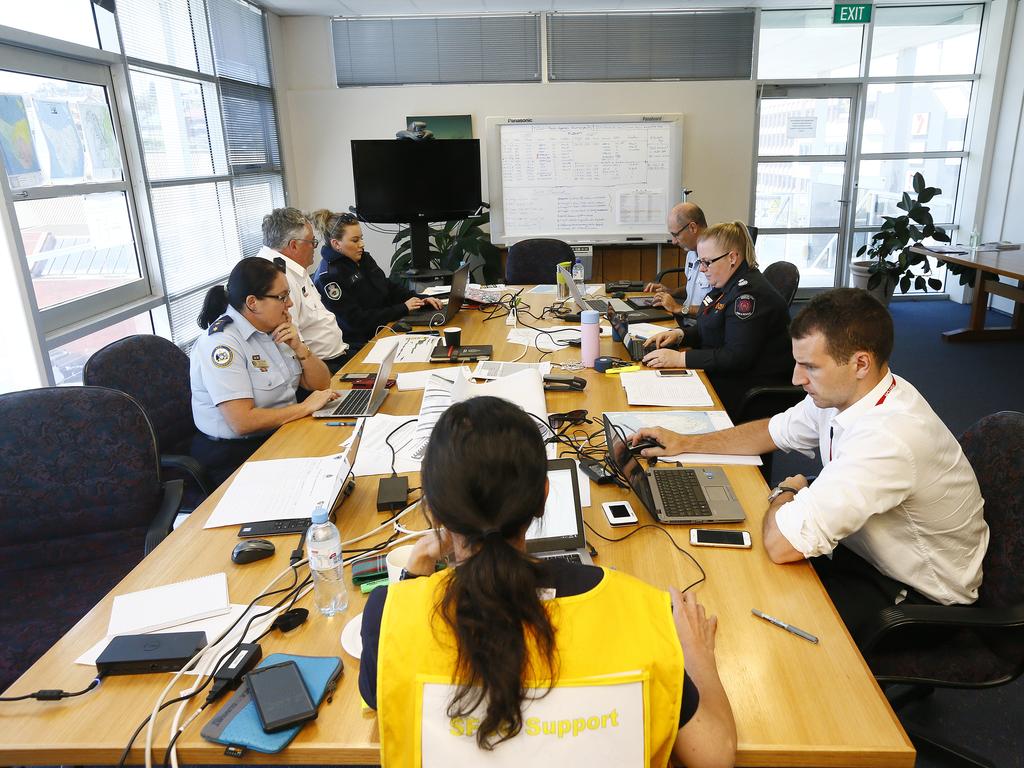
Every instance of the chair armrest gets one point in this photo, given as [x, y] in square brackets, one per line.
[661, 275]
[187, 464]
[896, 617]
[164, 520]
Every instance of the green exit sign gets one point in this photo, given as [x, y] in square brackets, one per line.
[851, 13]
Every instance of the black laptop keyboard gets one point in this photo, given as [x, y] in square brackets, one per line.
[570, 558]
[636, 350]
[354, 403]
[681, 494]
[598, 305]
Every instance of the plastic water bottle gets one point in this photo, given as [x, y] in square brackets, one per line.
[591, 337]
[323, 547]
[577, 276]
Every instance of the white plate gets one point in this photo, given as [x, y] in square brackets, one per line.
[351, 640]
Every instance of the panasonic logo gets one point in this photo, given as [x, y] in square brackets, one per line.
[520, 119]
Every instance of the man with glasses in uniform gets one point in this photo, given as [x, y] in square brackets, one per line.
[685, 223]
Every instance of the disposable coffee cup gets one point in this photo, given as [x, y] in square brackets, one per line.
[452, 337]
[397, 559]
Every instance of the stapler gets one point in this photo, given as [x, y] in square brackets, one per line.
[557, 382]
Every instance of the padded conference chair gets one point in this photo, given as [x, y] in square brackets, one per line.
[785, 278]
[81, 503]
[763, 403]
[975, 646]
[534, 260]
[156, 373]
[660, 277]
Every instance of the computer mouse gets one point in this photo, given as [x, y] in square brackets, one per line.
[251, 550]
[618, 295]
[401, 327]
[647, 442]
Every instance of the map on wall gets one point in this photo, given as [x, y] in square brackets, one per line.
[99, 138]
[16, 143]
[67, 155]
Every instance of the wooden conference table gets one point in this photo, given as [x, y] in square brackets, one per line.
[796, 703]
[1008, 263]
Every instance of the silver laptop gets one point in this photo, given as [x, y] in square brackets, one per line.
[455, 298]
[598, 305]
[362, 402]
[559, 534]
[674, 494]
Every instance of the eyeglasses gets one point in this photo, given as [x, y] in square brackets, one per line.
[675, 235]
[572, 418]
[705, 263]
[314, 242]
[282, 297]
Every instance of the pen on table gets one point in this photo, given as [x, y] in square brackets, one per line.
[341, 423]
[783, 625]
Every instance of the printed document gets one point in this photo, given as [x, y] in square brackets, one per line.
[647, 388]
[412, 348]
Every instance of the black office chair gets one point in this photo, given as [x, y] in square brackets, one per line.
[785, 278]
[973, 646]
[81, 503]
[156, 373]
[660, 277]
[763, 403]
[534, 260]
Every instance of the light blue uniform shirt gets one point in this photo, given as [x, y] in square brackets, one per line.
[233, 361]
[697, 285]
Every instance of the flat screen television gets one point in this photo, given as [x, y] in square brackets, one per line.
[403, 182]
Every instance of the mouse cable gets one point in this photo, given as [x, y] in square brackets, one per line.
[703, 575]
[55, 694]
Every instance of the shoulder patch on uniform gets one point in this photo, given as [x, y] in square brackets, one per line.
[333, 291]
[222, 356]
[219, 325]
[744, 306]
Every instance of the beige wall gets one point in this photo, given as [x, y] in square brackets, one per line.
[718, 123]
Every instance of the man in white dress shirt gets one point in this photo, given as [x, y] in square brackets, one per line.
[895, 488]
[287, 233]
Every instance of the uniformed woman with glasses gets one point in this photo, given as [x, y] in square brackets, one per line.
[353, 287]
[741, 338]
[245, 369]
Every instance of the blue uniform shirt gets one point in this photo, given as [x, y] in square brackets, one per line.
[234, 361]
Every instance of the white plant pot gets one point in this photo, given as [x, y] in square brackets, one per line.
[860, 274]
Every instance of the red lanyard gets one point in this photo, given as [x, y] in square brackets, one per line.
[881, 400]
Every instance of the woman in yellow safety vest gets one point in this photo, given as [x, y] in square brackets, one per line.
[539, 662]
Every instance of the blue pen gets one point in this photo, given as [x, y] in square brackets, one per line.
[341, 423]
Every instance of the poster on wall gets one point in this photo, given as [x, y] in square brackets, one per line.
[100, 140]
[23, 168]
[67, 155]
[445, 126]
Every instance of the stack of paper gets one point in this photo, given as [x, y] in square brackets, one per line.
[647, 388]
[411, 349]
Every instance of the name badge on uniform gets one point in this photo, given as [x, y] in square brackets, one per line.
[260, 363]
[333, 291]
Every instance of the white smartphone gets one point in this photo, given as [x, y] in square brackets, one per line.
[619, 513]
[703, 537]
[674, 372]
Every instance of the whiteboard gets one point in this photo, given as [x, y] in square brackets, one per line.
[607, 179]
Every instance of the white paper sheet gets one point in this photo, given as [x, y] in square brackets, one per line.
[374, 456]
[647, 388]
[280, 488]
[436, 290]
[557, 338]
[495, 369]
[418, 379]
[411, 349]
[685, 423]
[645, 330]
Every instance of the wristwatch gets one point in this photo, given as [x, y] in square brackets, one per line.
[779, 490]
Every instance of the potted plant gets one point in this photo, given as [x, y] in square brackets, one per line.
[451, 243]
[889, 259]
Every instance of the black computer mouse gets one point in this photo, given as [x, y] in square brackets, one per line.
[647, 442]
[251, 550]
[401, 327]
[618, 295]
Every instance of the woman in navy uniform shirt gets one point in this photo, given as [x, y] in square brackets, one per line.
[741, 339]
[353, 287]
[246, 367]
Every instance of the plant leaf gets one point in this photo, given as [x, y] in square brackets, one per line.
[927, 194]
[935, 284]
[918, 183]
[904, 283]
[874, 281]
[919, 283]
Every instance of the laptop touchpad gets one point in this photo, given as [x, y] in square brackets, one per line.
[716, 493]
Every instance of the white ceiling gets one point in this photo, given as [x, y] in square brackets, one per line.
[436, 7]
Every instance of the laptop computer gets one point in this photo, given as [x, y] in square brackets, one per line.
[620, 327]
[362, 402]
[559, 534]
[285, 526]
[601, 305]
[675, 494]
[455, 298]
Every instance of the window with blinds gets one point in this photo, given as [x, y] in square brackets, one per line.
[210, 141]
[457, 49]
[671, 45]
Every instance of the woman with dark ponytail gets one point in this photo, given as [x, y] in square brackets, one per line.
[245, 369]
[511, 654]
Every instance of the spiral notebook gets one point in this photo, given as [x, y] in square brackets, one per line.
[169, 605]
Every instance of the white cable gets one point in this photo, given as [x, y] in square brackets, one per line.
[382, 526]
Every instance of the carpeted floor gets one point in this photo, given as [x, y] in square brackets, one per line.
[962, 382]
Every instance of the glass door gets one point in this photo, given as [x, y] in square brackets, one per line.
[802, 190]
